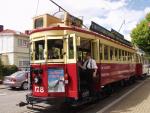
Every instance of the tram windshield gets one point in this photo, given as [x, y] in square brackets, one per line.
[39, 50]
[55, 48]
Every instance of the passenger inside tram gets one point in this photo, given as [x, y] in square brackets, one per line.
[55, 47]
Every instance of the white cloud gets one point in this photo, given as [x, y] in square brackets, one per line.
[147, 10]
[18, 14]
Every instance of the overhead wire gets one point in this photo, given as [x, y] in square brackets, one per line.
[64, 10]
[37, 7]
[124, 20]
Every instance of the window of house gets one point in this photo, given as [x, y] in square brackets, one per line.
[24, 63]
[23, 43]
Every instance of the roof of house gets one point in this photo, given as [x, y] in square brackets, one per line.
[12, 32]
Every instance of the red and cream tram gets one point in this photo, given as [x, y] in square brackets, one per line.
[56, 45]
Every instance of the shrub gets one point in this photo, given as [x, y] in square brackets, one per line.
[1, 69]
[9, 69]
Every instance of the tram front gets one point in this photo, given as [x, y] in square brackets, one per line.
[53, 66]
[53, 58]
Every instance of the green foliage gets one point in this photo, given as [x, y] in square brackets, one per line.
[9, 69]
[1, 69]
[6, 70]
[141, 34]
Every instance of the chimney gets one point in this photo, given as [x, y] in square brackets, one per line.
[27, 32]
[1, 28]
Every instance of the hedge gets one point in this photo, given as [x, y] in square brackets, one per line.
[9, 69]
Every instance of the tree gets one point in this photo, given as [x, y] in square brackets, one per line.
[141, 34]
[1, 69]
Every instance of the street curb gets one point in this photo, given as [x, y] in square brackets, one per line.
[2, 87]
[120, 98]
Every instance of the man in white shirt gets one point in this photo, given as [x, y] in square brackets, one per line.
[90, 69]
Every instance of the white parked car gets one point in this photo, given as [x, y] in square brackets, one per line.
[18, 79]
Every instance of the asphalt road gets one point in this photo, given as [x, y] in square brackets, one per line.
[10, 98]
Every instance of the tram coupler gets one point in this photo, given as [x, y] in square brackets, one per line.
[22, 104]
[29, 101]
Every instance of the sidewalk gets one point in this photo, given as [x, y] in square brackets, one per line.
[136, 102]
[2, 86]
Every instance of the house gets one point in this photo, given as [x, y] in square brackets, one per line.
[14, 48]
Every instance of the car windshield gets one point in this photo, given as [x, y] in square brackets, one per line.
[18, 73]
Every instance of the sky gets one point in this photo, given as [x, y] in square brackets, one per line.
[18, 14]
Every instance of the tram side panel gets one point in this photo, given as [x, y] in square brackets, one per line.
[72, 87]
[115, 72]
[139, 69]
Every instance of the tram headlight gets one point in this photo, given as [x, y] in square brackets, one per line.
[37, 79]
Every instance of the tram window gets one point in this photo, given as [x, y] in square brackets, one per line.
[94, 49]
[127, 56]
[119, 54]
[130, 57]
[31, 51]
[39, 50]
[136, 58]
[85, 46]
[101, 52]
[38, 23]
[116, 54]
[111, 53]
[55, 47]
[105, 52]
[70, 48]
[123, 55]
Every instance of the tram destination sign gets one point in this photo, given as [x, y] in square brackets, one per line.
[101, 30]
[117, 34]
[112, 34]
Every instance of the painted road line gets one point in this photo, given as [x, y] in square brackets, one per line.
[119, 99]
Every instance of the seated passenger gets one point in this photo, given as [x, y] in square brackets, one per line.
[50, 53]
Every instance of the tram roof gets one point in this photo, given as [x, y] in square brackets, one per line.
[82, 30]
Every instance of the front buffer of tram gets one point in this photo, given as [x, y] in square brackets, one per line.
[53, 60]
